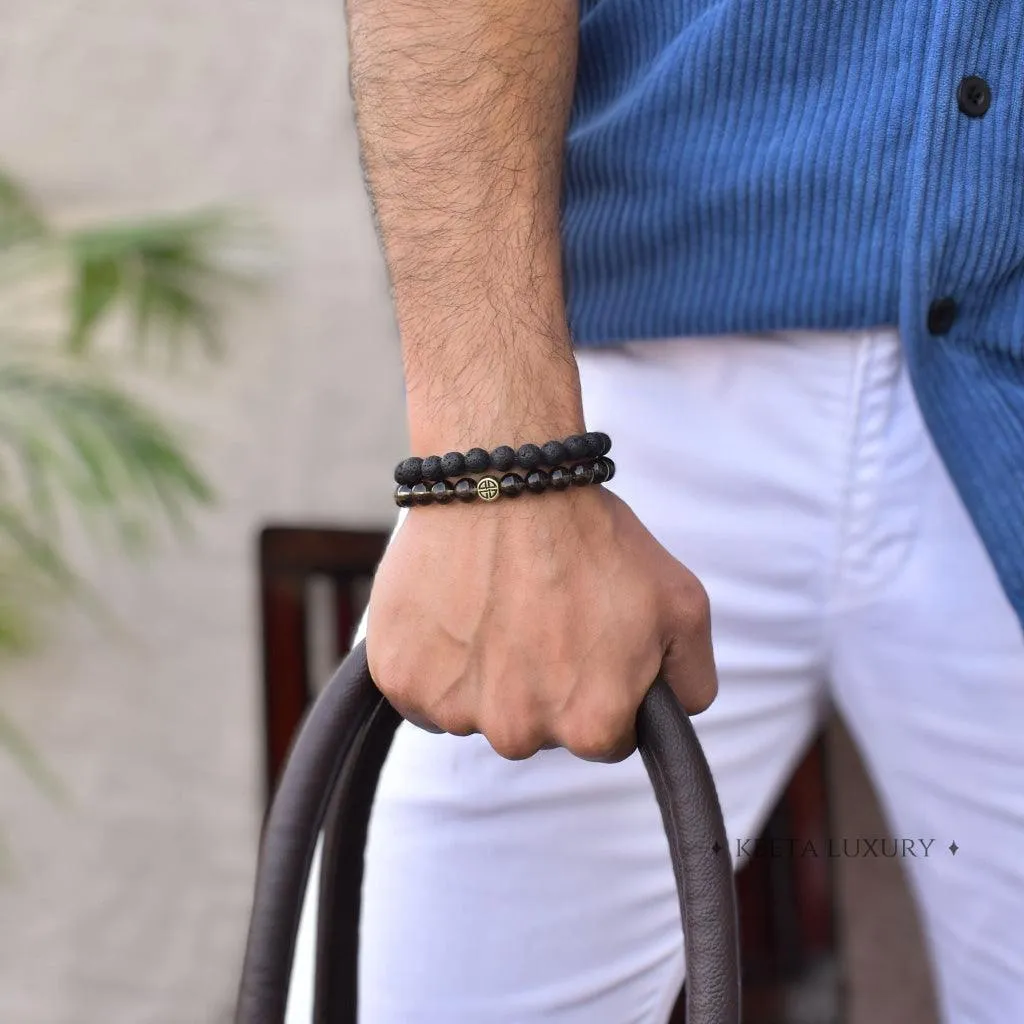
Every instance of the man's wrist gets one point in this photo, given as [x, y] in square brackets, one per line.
[534, 398]
[487, 424]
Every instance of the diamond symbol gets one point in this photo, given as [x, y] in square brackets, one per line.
[953, 847]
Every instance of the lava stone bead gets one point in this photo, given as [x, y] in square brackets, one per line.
[560, 478]
[538, 481]
[529, 456]
[577, 447]
[403, 495]
[465, 489]
[554, 453]
[453, 464]
[421, 494]
[432, 468]
[606, 442]
[595, 444]
[512, 485]
[477, 461]
[442, 492]
[583, 474]
[409, 471]
[503, 458]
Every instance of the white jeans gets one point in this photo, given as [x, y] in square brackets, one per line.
[793, 475]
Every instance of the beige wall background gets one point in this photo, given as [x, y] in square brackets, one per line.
[127, 905]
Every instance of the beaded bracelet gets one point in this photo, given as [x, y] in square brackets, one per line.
[511, 485]
[435, 468]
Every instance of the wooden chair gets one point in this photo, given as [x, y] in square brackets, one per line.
[787, 921]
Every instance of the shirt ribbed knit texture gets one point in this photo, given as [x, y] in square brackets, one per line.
[757, 165]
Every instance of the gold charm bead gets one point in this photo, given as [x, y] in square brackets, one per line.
[487, 489]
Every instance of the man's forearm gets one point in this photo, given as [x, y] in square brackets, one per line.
[462, 107]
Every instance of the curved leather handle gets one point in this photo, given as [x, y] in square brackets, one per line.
[334, 765]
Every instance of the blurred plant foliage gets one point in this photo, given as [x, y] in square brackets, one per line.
[74, 442]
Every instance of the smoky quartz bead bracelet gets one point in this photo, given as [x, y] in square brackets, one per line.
[507, 485]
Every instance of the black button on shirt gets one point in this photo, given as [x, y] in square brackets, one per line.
[941, 316]
[974, 96]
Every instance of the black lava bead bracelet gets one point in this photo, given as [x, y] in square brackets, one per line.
[511, 485]
[437, 468]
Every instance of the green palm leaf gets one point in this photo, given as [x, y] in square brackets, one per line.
[70, 432]
[166, 272]
[19, 219]
[73, 442]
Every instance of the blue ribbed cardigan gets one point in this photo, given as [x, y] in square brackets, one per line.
[751, 165]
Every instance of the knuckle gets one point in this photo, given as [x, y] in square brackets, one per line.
[695, 609]
[701, 699]
[456, 723]
[397, 680]
[597, 735]
[592, 746]
[514, 749]
[513, 744]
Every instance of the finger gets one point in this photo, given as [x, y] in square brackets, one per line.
[618, 751]
[688, 664]
[437, 723]
[514, 744]
[420, 721]
[604, 729]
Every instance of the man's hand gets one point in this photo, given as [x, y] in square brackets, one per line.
[537, 621]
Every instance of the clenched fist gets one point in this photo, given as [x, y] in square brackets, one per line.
[539, 621]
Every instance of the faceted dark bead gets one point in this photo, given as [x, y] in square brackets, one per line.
[421, 494]
[611, 469]
[538, 481]
[403, 495]
[560, 478]
[409, 471]
[529, 456]
[442, 492]
[576, 447]
[583, 474]
[477, 461]
[512, 485]
[503, 457]
[453, 464]
[554, 453]
[432, 468]
[465, 489]
[600, 471]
